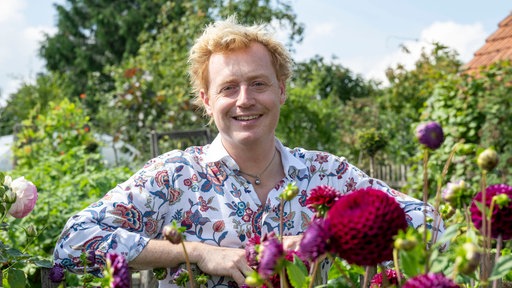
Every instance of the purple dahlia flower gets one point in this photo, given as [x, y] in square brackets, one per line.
[321, 199]
[315, 240]
[119, 270]
[362, 226]
[272, 252]
[501, 216]
[56, 273]
[430, 134]
[430, 280]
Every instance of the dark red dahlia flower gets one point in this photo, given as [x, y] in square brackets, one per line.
[430, 134]
[436, 280]
[251, 250]
[321, 198]
[271, 255]
[362, 226]
[391, 276]
[315, 240]
[501, 216]
[119, 270]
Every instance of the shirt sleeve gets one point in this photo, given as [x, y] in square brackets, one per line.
[123, 221]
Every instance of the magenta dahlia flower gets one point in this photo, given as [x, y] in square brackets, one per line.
[118, 270]
[251, 250]
[501, 218]
[378, 279]
[315, 240]
[271, 256]
[430, 134]
[321, 199]
[435, 280]
[362, 226]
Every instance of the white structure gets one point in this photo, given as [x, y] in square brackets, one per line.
[109, 150]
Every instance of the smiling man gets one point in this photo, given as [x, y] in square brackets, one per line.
[225, 192]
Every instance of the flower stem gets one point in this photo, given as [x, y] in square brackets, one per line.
[187, 261]
[425, 200]
[397, 267]
[485, 256]
[313, 273]
[437, 221]
[281, 219]
[498, 254]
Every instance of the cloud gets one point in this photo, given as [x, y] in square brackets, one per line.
[18, 56]
[464, 39]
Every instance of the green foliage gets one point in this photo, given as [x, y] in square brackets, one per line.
[371, 141]
[55, 151]
[477, 112]
[36, 96]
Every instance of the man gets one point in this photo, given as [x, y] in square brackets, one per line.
[227, 191]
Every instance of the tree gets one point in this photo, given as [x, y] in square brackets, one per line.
[93, 34]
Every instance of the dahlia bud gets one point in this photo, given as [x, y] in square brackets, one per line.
[254, 279]
[172, 233]
[202, 280]
[430, 134]
[469, 258]
[406, 244]
[502, 200]
[290, 191]
[447, 211]
[488, 159]
[31, 231]
[160, 273]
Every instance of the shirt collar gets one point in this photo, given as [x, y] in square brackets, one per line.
[291, 164]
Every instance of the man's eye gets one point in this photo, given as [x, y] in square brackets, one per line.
[227, 88]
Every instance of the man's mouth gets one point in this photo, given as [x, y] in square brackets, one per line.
[246, 118]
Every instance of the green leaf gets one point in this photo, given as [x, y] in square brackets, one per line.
[296, 274]
[411, 262]
[449, 234]
[502, 267]
[43, 263]
[16, 278]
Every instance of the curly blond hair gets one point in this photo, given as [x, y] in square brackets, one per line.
[228, 35]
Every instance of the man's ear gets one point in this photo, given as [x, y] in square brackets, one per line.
[282, 94]
[206, 102]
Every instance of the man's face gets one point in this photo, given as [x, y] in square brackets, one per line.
[244, 95]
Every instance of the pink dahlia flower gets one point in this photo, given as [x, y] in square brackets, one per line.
[251, 250]
[378, 279]
[436, 280]
[26, 197]
[501, 218]
[362, 226]
[430, 134]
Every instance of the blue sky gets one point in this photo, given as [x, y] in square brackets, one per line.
[364, 35]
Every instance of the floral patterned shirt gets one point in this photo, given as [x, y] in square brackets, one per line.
[201, 188]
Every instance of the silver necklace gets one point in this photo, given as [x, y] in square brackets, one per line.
[257, 177]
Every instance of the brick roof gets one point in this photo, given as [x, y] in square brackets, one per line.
[498, 46]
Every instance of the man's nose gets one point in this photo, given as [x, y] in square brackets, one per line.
[245, 97]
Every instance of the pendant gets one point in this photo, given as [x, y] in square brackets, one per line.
[257, 181]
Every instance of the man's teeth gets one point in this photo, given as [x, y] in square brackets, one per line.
[245, 118]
